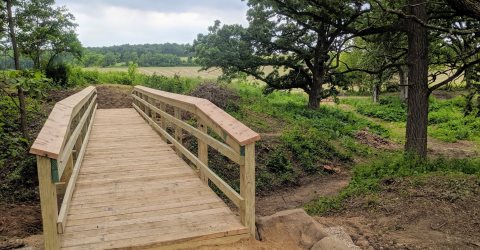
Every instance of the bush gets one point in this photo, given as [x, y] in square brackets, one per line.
[58, 73]
[223, 97]
[310, 148]
[176, 84]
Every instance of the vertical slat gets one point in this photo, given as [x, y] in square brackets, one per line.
[48, 201]
[203, 151]
[247, 189]
[178, 130]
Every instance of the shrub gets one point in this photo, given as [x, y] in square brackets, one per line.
[58, 73]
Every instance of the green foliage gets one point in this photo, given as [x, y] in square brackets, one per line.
[368, 178]
[310, 148]
[32, 82]
[446, 119]
[58, 73]
[18, 177]
[144, 55]
[45, 32]
[301, 48]
[389, 108]
[174, 84]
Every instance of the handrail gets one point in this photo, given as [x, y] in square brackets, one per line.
[237, 143]
[53, 135]
[236, 130]
[60, 147]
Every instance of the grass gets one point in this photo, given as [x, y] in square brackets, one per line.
[368, 178]
[446, 119]
[303, 140]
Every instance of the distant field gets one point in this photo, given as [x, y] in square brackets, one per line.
[193, 71]
[169, 71]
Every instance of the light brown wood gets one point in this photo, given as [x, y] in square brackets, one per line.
[67, 149]
[200, 134]
[134, 191]
[221, 184]
[208, 111]
[247, 189]
[48, 202]
[62, 216]
[203, 150]
[52, 137]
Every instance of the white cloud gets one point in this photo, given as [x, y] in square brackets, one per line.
[103, 23]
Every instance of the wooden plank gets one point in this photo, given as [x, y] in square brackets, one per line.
[193, 244]
[48, 203]
[235, 129]
[52, 136]
[221, 184]
[62, 216]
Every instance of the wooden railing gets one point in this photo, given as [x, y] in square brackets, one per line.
[60, 147]
[166, 111]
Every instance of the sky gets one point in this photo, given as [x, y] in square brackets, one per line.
[115, 22]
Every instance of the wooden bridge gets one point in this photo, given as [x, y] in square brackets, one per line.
[124, 179]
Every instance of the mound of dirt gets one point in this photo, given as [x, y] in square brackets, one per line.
[223, 97]
[375, 141]
[434, 212]
[114, 96]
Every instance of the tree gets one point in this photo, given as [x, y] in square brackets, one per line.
[16, 58]
[301, 40]
[428, 25]
[46, 30]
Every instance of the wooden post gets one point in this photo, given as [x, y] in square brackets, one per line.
[48, 202]
[178, 130]
[247, 189]
[203, 150]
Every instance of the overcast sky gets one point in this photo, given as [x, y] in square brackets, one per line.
[114, 22]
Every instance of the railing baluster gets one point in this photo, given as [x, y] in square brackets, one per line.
[203, 150]
[178, 130]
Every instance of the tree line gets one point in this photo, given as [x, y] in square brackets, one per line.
[145, 55]
[310, 45]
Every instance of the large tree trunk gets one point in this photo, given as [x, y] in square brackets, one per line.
[402, 73]
[16, 58]
[314, 96]
[468, 75]
[417, 116]
[376, 92]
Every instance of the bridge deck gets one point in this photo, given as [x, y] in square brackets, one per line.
[133, 190]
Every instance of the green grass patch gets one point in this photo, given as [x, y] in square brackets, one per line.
[446, 119]
[367, 179]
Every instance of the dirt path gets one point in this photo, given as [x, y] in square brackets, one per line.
[294, 197]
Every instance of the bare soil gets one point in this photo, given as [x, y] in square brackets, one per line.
[112, 96]
[438, 212]
[293, 197]
[18, 221]
[375, 141]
